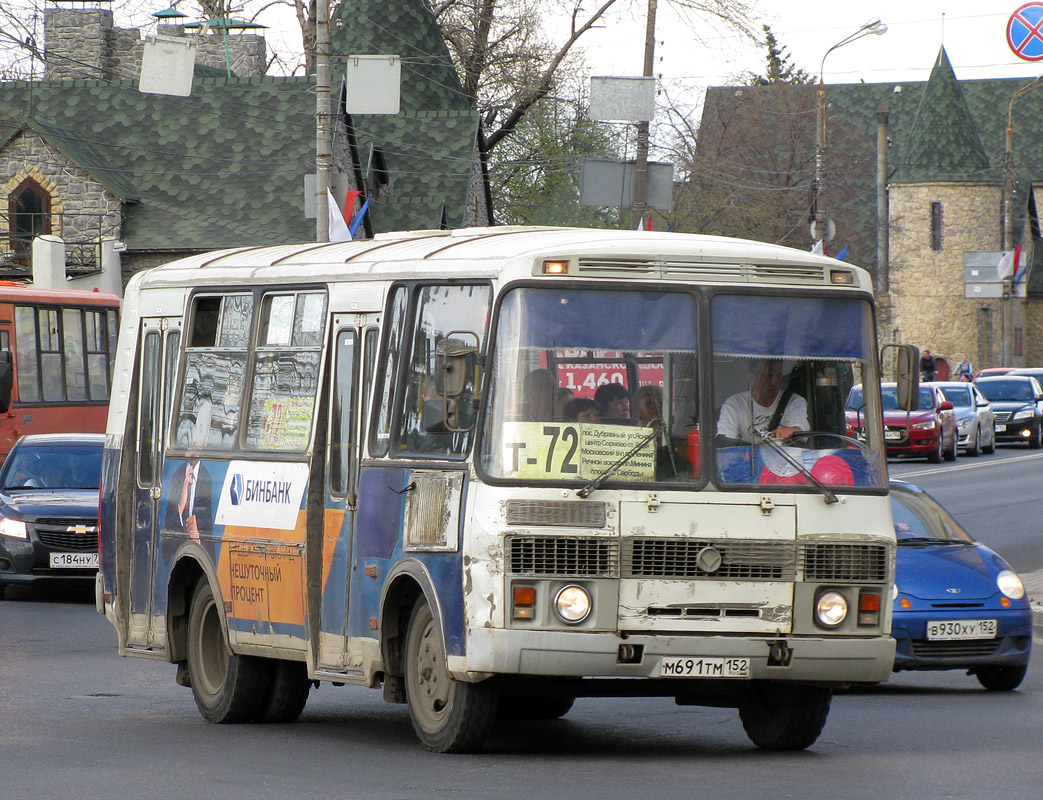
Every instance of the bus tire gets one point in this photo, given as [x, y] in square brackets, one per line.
[781, 716]
[287, 694]
[228, 688]
[449, 716]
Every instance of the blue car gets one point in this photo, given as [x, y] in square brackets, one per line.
[957, 604]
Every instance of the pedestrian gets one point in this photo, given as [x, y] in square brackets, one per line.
[964, 370]
[928, 366]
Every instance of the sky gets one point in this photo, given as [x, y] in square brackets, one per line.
[691, 55]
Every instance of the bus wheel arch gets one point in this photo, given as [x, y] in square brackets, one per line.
[186, 573]
[400, 596]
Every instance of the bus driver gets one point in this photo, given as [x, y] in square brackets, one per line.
[757, 409]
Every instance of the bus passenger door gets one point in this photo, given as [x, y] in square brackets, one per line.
[353, 349]
[157, 362]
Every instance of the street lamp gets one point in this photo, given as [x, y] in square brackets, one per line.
[876, 28]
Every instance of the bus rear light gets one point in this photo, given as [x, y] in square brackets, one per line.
[869, 608]
[524, 602]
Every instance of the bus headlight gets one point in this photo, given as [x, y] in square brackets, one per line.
[572, 604]
[1010, 584]
[830, 609]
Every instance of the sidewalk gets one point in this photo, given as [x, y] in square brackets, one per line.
[1034, 588]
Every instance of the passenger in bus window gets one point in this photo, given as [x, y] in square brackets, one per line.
[582, 409]
[764, 407]
[538, 389]
[562, 397]
[649, 402]
[613, 404]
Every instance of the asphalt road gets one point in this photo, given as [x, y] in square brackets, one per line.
[78, 721]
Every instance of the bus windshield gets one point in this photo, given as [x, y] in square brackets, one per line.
[585, 378]
[588, 382]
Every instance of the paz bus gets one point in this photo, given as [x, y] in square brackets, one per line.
[56, 353]
[364, 463]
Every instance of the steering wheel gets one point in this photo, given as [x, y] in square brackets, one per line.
[850, 440]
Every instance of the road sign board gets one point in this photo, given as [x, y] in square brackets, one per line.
[1025, 32]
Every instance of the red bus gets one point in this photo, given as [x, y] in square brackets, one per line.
[56, 353]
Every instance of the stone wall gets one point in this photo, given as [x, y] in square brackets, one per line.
[82, 208]
[83, 44]
[928, 307]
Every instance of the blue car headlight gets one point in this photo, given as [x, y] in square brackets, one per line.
[1010, 584]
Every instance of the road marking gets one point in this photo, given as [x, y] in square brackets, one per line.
[979, 465]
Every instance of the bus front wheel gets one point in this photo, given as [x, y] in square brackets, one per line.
[781, 716]
[228, 688]
[449, 716]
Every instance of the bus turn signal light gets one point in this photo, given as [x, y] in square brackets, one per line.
[524, 602]
[555, 267]
[869, 608]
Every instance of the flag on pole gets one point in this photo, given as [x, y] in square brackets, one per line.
[358, 218]
[641, 224]
[1019, 271]
[338, 228]
[817, 248]
[1005, 267]
[842, 254]
[349, 205]
[648, 225]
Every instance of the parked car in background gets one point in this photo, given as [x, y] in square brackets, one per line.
[929, 431]
[957, 604]
[1017, 401]
[49, 509]
[992, 371]
[974, 416]
[1032, 372]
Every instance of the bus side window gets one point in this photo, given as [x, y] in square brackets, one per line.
[381, 438]
[342, 428]
[456, 312]
[215, 367]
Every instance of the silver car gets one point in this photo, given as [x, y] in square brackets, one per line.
[974, 417]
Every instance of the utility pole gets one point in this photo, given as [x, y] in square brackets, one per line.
[323, 114]
[640, 204]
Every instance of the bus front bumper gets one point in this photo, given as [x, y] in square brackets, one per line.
[574, 654]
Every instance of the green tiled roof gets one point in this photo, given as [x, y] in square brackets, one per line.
[943, 143]
[225, 166]
[851, 152]
[404, 28]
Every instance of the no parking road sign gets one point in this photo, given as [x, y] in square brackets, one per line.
[1025, 32]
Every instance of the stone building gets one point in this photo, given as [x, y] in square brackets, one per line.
[943, 168]
[84, 155]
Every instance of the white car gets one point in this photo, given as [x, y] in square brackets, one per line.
[974, 417]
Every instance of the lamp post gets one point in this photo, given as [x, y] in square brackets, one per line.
[874, 27]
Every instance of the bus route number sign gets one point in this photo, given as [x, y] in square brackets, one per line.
[576, 450]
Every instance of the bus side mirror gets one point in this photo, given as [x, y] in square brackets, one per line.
[907, 367]
[6, 380]
[454, 363]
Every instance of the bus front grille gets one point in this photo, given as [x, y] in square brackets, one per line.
[564, 556]
[855, 563]
[567, 514]
[722, 559]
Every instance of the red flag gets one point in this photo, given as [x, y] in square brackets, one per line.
[349, 205]
[1018, 271]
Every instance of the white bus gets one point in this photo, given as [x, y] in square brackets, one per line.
[494, 470]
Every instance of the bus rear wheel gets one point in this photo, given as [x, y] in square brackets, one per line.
[228, 688]
[287, 692]
[449, 716]
[780, 716]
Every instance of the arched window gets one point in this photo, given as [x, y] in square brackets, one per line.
[29, 215]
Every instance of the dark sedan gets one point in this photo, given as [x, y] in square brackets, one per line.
[49, 509]
[1016, 401]
[957, 604]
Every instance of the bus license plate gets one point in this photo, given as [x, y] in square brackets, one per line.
[686, 667]
[950, 630]
[74, 560]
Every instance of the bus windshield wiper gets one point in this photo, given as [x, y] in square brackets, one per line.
[584, 491]
[826, 493]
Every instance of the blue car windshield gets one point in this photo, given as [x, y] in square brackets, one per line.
[920, 520]
[53, 467]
